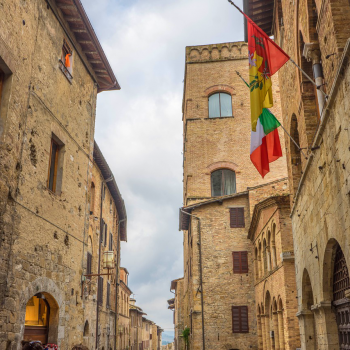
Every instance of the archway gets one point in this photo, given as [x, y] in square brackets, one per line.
[41, 319]
[308, 331]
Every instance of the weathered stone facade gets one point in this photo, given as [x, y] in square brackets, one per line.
[275, 287]
[106, 230]
[44, 225]
[316, 34]
[123, 313]
[214, 290]
[178, 308]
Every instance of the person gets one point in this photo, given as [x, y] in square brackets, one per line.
[51, 347]
[32, 345]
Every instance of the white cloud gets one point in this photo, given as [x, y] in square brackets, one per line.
[139, 128]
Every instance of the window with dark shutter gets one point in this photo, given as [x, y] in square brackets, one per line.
[108, 295]
[110, 242]
[240, 319]
[237, 218]
[105, 237]
[89, 264]
[240, 262]
[100, 290]
[102, 230]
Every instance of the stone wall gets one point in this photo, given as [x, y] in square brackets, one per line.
[43, 234]
[320, 208]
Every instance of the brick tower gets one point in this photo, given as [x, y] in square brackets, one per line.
[221, 187]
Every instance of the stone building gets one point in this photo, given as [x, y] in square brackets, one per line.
[123, 313]
[136, 314]
[315, 34]
[107, 227]
[146, 333]
[177, 305]
[51, 68]
[274, 274]
[221, 187]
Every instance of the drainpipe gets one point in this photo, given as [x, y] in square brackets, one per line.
[117, 285]
[200, 272]
[99, 256]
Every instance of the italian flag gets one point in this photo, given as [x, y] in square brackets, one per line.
[265, 59]
[265, 145]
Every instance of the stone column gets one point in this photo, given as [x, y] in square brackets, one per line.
[312, 53]
[268, 328]
[276, 330]
[280, 329]
[263, 332]
[307, 331]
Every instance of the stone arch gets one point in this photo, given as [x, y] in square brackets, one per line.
[86, 329]
[306, 317]
[219, 88]
[295, 155]
[55, 299]
[222, 165]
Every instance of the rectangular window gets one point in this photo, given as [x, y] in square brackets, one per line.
[110, 242]
[108, 295]
[102, 230]
[240, 319]
[105, 235]
[89, 264]
[237, 218]
[52, 178]
[100, 290]
[240, 262]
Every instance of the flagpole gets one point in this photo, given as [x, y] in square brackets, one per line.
[300, 150]
[302, 71]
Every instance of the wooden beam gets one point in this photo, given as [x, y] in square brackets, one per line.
[73, 19]
[66, 7]
[87, 52]
[79, 30]
[85, 42]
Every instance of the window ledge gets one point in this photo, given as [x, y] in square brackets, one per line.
[65, 71]
[215, 118]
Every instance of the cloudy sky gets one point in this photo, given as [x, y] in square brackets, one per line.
[139, 128]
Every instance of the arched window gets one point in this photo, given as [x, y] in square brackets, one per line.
[223, 182]
[220, 105]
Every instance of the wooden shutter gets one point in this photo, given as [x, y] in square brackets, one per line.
[108, 294]
[110, 242]
[240, 262]
[240, 319]
[100, 290]
[89, 264]
[237, 218]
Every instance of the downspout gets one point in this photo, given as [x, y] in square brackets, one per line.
[99, 257]
[200, 271]
[117, 285]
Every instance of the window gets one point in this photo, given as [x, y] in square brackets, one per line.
[108, 294]
[66, 61]
[54, 179]
[220, 105]
[89, 264]
[105, 235]
[110, 248]
[240, 319]
[92, 198]
[223, 182]
[237, 218]
[240, 262]
[100, 290]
